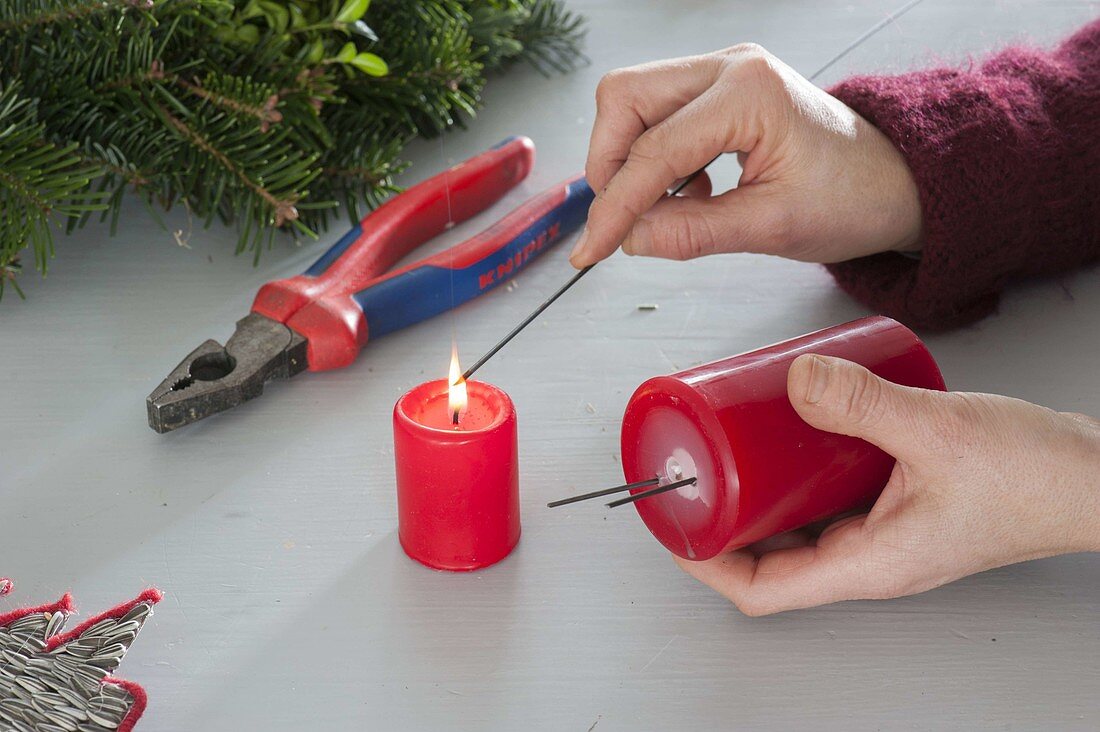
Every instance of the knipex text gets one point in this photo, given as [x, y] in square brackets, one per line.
[520, 258]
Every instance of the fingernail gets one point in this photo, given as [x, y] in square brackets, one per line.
[819, 379]
[578, 248]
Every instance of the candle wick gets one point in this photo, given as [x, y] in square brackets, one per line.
[454, 418]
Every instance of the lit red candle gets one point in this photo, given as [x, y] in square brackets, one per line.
[761, 469]
[457, 483]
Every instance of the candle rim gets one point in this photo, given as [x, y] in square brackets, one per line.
[671, 393]
[502, 417]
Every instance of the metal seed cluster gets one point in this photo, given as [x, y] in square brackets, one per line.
[61, 690]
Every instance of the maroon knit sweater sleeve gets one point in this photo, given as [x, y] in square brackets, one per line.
[1006, 157]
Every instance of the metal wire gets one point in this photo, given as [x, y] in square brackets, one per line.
[604, 492]
[652, 492]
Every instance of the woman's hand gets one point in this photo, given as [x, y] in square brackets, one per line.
[819, 183]
[980, 481]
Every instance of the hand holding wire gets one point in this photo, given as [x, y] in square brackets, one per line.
[818, 182]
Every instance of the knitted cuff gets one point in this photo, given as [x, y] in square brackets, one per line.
[990, 156]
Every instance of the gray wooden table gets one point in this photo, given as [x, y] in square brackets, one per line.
[272, 530]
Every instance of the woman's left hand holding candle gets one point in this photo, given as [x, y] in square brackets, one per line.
[981, 481]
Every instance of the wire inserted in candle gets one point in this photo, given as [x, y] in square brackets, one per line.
[652, 492]
[603, 492]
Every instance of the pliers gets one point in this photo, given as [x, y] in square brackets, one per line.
[320, 319]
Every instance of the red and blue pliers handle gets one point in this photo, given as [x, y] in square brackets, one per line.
[348, 296]
[320, 319]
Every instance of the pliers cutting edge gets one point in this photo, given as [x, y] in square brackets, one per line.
[320, 319]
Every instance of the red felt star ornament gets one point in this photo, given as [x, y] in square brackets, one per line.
[52, 680]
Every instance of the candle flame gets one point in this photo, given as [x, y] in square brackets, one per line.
[456, 393]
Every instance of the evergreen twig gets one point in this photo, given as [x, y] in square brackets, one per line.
[264, 114]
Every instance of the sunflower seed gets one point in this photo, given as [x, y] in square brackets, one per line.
[41, 664]
[122, 628]
[98, 628]
[65, 662]
[34, 644]
[106, 703]
[61, 721]
[88, 678]
[104, 662]
[15, 660]
[115, 692]
[139, 612]
[126, 639]
[47, 700]
[110, 721]
[112, 650]
[27, 623]
[80, 650]
[32, 685]
[55, 624]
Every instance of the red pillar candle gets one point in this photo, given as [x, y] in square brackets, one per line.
[761, 469]
[457, 485]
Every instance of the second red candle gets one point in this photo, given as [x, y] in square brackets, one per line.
[761, 470]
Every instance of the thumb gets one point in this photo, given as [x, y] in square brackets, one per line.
[843, 397]
[747, 219]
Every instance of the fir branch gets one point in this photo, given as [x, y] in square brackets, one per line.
[551, 36]
[283, 208]
[22, 16]
[253, 113]
[360, 167]
[435, 78]
[266, 113]
[38, 180]
[542, 32]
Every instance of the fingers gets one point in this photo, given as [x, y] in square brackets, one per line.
[786, 540]
[630, 101]
[749, 219]
[698, 186]
[839, 567]
[843, 397]
[673, 149]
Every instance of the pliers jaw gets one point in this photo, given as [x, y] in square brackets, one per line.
[214, 378]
